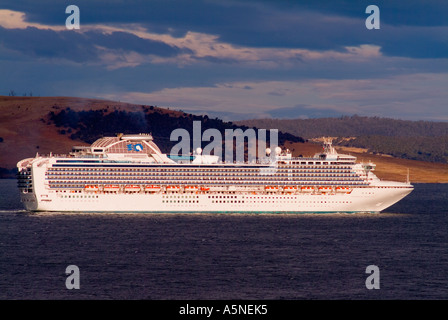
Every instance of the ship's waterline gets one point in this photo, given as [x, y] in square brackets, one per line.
[129, 173]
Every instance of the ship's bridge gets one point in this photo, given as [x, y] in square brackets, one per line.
[330, 154]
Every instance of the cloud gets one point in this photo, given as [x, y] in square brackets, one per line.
[132, 45]
[120, 40]
[102, 45]
[205, 12]
[10, 19]
[46, 43]
[413, 29]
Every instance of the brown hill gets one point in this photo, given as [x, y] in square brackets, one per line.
[25, 130]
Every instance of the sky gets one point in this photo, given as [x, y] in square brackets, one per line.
[234, 59]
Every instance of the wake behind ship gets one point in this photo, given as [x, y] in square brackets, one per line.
[129, 173]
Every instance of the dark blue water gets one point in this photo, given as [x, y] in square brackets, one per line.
[219, 256]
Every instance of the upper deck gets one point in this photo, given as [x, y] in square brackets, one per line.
[137, 160]
[141, 149]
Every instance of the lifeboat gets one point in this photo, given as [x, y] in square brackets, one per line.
[325, 189]
[152, 188]
[343, 189]
[111, 188]
[132, 188]
[205, 188]
[91, 188]
[307, 189]
[271, 188]
[172, 188]
[190, 188]
[289, 189]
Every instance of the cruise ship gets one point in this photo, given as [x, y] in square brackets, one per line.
[129, 173]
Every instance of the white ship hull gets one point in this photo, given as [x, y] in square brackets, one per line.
[359, 200]
[115, 176]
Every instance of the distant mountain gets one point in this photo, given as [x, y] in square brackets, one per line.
[416, 140]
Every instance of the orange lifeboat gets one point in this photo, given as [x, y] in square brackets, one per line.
[205, 188]
[111, 188]
[271, 188]
[172, 188]
[152, 188]
[132, 188]
[290, 189]
[325, 189]
[307, 189]
[343, 189]
[91, 188]
[190, 188]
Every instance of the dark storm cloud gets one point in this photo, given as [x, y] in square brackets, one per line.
[218, 13]
[48, 44]
[126, 41]
[415, 42]
[407, 26]
[325, 29]
[393, 12]
[78, 47]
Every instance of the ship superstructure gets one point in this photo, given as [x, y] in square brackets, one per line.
[129, 173]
